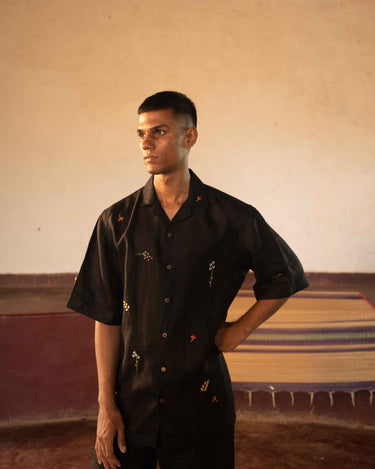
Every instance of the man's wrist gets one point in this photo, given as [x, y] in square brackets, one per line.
[107, 399]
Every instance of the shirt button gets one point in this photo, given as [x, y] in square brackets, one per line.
[165, 335]
[169, 235]
[161, 400]
[166, 300]
[163, 369]
[169, 267]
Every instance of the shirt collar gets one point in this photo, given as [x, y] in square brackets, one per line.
[148, 192]
[197, 192]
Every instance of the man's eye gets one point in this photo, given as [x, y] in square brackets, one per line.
[141, 135]
[160, 132]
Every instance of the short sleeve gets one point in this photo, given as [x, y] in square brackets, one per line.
[98, 291]
[278, 271]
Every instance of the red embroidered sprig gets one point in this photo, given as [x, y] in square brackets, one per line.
[120, 218]
[193, 337]
[277, 276]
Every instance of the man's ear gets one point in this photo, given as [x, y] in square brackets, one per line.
[191, 136]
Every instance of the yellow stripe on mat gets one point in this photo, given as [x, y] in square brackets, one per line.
[301, 367]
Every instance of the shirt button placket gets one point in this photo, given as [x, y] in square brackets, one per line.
[167, 300]
[168, 265]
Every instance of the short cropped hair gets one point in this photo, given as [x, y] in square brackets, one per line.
[178, 102]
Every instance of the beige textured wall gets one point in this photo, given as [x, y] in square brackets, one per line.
[285, 94]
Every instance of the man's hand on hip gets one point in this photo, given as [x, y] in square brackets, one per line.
[231, 334]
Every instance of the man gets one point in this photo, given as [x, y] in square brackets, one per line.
[162, 267]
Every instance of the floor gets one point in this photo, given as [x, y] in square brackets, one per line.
[261, 443]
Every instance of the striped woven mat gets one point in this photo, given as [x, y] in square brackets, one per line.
[318, 341]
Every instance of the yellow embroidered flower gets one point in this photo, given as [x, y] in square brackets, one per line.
[205, 385]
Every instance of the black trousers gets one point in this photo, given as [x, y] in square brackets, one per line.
[216, 452]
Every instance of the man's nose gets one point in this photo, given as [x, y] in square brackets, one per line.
[147, 142]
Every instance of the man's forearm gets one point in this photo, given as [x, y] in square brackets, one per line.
[258, 313]
[107, 348]
[230, 335]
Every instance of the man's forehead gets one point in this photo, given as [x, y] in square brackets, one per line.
[160, 118]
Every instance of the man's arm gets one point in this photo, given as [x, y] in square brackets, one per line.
[230, 335]
[110, 423]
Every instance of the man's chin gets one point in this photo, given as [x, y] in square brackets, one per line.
[155, 171]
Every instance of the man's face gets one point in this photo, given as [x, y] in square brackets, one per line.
[163, 141]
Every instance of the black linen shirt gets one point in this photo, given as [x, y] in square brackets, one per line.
[169, 285]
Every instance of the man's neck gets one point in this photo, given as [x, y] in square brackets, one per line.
[172, 190]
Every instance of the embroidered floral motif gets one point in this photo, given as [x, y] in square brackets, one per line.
[136, 359]
[198, 198]
[211, 268]
[205, 385]
[277, 276]
[126, 305]
[193, 337]
[120, 218]
[145, 254]
[215, 399]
